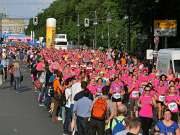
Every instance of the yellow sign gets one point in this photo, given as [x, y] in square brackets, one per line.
[165, 24]
[165, 28]
[50, 36]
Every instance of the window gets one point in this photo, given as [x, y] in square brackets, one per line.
[61, 43]
[171, 65]
[177, 65]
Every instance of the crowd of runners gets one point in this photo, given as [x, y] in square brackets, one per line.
[101, 92]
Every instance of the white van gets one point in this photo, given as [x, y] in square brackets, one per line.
[61, 41]
[169, 59]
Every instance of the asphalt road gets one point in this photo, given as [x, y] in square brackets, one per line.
[20, 113]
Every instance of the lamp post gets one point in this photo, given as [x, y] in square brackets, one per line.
[109, 19]
[78, 25]
[95, 30]
[129, 27]
[156, 38]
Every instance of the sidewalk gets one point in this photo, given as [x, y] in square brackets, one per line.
[20, 113]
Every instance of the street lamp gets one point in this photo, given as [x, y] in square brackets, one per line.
[153, 18]
[129, 27]
[95, 31]
[109, 19]
[78, 25]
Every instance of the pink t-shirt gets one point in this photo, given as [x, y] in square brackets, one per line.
[99, 88]
[92, 89]
[134, 94]
[116, 87]
[161, 90]
[170, 77]
[171, 102]
[146, 107]
[155, 82]
[142, 78]
[152, 76]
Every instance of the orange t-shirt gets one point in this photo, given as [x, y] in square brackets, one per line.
[123, 61]
[57, 86]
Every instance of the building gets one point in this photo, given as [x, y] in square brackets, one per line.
[13, 25]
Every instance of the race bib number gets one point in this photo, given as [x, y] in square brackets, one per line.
[89, 68]
[161, 98]
[135, 94]
[73, 66]
[116, 96]
[173, 106]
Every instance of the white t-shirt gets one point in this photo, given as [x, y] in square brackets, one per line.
[68, 94]
[42, 77]
[76, 88]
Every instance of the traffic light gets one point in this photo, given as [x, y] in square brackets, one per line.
[35, 20]
[86, 22]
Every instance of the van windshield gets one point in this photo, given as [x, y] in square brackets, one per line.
[177, 65]
[61, 43]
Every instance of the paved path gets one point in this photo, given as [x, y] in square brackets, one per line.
[20, 113]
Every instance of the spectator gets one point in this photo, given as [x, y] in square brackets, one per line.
[76, 88]
[17, 75]
[68, 113]
[1, 74]
[11, 70]
[82, 111]
[117, 124]
[100, 107]
[167, 126]
[56, 99]
[134, 127]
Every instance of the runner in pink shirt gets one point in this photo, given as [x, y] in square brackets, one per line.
[99, 86]
[160, 97]
[134, 96]
[164, 79]
[146, 103]
[172, 101]
[172, 83]
[92, 86]
[177, 84]
[170, 75]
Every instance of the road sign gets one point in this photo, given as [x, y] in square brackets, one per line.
[165, 28]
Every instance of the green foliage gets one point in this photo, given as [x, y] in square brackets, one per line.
[66, 12]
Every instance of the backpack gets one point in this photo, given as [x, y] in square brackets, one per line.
[118, 127]
[99, 109]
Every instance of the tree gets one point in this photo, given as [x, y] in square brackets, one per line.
[142, 13]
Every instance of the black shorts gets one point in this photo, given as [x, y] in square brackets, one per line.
[162, 103]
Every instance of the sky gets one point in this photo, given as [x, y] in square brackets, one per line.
[23, 8]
